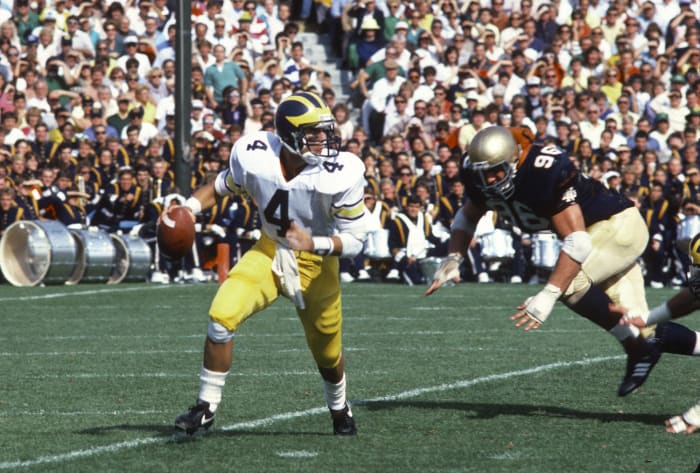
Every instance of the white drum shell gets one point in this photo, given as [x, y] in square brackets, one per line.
[428, 266]
[378, 244]
[33, 252]
[545, 250]
[686, 230]
[497, 245]
[95, 256]
[132, 260]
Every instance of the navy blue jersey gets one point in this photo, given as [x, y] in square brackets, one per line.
[545, 184]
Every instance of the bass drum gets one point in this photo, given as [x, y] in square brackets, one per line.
[545, 250]
[95, 256]
[34, 252]
[133, 259]
[497, 245]
[428, 266]
[686, 230]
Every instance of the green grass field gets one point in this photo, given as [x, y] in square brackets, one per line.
[92, 377]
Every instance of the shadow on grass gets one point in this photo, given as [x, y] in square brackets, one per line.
[167, 431]
[489, 411]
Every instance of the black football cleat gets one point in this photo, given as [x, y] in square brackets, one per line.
[197, 417]
[343, 422]
[640, 361]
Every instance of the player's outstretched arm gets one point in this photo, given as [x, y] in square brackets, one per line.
[461, 233]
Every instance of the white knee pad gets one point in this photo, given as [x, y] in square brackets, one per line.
[217, 333]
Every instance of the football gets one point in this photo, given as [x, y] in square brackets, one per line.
[175, 232]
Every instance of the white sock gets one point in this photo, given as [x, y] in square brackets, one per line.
[622, 332]
[210, 387]
[696, 350]
[335, 394]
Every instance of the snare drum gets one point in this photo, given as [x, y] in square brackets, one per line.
[686, 230]
[497, 245]
[428, 266]
[133, 259]
[378, 244]
[96, 256]
[33, 252]
[545, 249]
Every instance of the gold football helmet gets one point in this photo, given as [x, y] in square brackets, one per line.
[491, 150]
[694, 254]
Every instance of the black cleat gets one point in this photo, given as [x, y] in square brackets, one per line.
[343, 423]
[640, 362]
[197, 417]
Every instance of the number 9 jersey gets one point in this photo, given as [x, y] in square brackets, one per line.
[326, 199]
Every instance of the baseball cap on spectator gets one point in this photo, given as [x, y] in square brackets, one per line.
[684, 3]
[499, 90]
[245, 17]
[401, 25]
[647, 4]
[270, 63]
[677, 79]
[472, 95]
[197, 104]
[623, 148]
[66, 40]
[32, 39]
[653, 43]
[533, 81]
[96, 113]
[661, 117]
[50, 15]
[693, 113]
[369, 23]
[391, 64]
[205, 135]
[131, 39]
[610, 174]
[136, 112]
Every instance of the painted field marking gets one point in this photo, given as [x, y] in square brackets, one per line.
[91, 292]
[116, 447]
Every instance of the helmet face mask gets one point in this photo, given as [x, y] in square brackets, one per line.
[306, 128]
[492, 157]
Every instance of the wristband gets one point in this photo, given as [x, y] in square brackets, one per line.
[323, 245]
[194, 205]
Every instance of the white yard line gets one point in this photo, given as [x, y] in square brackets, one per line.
[90, 292]
[116, 447]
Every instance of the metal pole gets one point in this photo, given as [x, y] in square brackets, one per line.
[183, 96]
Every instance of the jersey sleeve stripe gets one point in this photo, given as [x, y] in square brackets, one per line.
[355, 217]
[230, 185]
[350, 205]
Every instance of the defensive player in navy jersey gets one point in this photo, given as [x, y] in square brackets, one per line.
[602, 235]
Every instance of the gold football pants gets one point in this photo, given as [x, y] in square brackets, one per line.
[251, 286]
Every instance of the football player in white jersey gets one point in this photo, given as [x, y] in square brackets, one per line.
[310, 197]
[687, 341]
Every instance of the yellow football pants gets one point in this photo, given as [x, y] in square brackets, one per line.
[251, 286]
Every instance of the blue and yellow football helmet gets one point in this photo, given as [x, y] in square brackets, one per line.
[300, 112]
[694, 255]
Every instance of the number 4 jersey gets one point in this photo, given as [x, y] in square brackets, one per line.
[324, 199]
[546, 182]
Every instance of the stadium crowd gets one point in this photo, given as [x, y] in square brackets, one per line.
[86, 97]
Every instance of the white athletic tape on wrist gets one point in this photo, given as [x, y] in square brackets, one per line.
[577, 245]
[194, 204]
[692, 416]
[449, 268]
[323, 245]
[541, 304]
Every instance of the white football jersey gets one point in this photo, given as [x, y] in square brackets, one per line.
[325, 199]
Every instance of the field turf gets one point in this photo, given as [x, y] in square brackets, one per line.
[92, 377]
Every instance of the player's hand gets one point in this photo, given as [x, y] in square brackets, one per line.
[448, 270]
[299, 238]
[536, 309]
[171, 208]
[636, 320]
[523, 318]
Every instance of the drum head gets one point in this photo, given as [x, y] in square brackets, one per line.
[32, 252]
